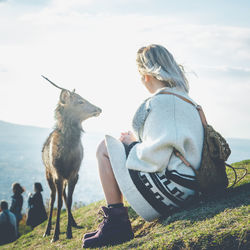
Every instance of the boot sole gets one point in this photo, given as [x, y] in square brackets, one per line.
[109, 242]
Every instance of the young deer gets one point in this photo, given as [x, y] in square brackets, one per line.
[63, 152]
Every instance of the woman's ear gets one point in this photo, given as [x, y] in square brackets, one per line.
[147, 78]
[64, 96]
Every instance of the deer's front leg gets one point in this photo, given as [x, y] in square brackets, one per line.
[71, 221]
[51, 205]
[59, 189]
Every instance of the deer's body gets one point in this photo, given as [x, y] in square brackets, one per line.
[63, 153]
[62, 150]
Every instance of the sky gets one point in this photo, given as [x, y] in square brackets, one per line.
[91, 45]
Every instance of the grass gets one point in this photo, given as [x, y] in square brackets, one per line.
[220, 222]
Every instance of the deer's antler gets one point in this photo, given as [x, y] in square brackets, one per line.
[53, 83]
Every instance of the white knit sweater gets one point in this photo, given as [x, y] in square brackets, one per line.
[170, 123]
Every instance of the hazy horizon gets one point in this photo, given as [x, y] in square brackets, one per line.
[92, 131]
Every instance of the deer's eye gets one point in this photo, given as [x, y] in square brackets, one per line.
[80, 102]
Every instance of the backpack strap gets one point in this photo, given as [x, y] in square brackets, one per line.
[198, 107]
[178, 154]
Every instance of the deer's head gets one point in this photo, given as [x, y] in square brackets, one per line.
[73, 107]
[76, 107]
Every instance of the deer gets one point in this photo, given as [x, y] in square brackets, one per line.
[62, 154]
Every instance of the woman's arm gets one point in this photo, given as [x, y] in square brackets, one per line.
[31, 200]
[35, 199]
[129, 147]
[158, 139]
[129, 140]
[13, 205]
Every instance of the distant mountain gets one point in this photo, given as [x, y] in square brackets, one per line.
[20, 156]
[20, 143]
[14, 134]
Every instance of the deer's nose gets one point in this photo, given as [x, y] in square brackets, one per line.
[99, 110]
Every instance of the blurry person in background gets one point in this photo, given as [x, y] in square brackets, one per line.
[36, 212]
[8, 226]
[17, 203]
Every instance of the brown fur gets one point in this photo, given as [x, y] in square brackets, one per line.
[63, 153]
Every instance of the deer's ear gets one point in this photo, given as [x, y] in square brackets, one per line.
[64, 96]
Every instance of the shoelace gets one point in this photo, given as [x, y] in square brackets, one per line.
[105, 218]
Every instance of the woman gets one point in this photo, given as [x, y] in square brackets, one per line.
[17, 203]
[36, 213]
[142, 166]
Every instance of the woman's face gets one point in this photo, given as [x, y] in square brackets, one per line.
[146, 80]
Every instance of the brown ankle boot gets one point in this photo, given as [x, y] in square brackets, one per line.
[115, 229]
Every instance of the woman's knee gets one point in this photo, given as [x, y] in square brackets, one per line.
[102, 150]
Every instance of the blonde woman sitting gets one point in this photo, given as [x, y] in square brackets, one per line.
[141, 166]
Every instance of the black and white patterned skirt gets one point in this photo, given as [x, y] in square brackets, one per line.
[151, 195]
[165, 192]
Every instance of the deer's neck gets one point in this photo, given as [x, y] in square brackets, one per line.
[70, 128]
[70, 131]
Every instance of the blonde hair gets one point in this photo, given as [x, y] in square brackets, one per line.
[157, 61]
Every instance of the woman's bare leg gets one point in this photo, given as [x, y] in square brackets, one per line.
[110, 187]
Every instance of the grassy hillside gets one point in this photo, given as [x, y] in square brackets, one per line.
[220, 222]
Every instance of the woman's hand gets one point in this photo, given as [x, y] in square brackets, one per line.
[127, 137]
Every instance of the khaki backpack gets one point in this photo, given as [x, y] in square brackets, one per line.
[211, 175]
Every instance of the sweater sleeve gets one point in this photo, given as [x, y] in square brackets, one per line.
[158, 138]
[129, 147]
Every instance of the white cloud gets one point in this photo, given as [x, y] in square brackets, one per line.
[65, 6]
[2, 69]
[226, 72]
